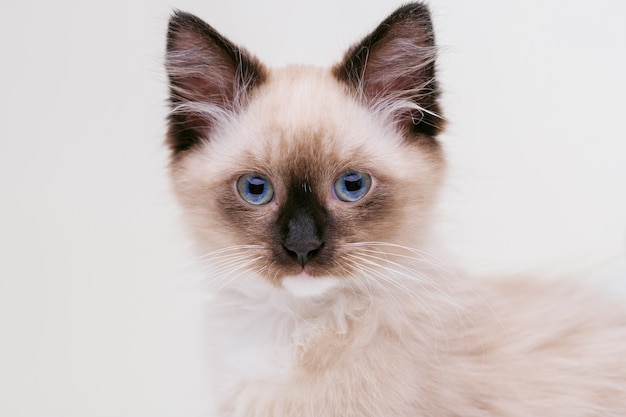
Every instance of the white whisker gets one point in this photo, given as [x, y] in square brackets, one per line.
[221, 267]
[421, 256]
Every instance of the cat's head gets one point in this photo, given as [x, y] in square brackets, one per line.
[298, 175]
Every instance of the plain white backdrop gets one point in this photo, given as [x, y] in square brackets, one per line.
[101, 312]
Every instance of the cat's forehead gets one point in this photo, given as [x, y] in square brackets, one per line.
[303, 116]
[303, 104]
[303, 92]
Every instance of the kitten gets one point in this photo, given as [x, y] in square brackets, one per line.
[310, 192]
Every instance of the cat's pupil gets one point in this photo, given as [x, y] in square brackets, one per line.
[353, 182]
[256, 186]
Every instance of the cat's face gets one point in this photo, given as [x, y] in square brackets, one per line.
[294, 174]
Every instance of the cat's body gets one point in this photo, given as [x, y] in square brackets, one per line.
[309, 192]
[505, 350]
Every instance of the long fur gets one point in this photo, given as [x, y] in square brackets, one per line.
[374, 324]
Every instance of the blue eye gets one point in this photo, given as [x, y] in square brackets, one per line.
[255, 189]
[352, 186]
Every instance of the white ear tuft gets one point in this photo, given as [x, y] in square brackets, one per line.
[393, 70]
[209, 79]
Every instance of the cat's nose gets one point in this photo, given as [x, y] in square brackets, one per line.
[302, 238]
[302, 251]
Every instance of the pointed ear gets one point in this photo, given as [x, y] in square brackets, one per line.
[209, 79]
[393, 71]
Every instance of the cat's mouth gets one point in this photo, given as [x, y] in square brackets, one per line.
[304, 285]
[308, 272]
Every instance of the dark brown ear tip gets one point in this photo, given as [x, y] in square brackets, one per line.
[417, 14]
[413, 8]
[416, 9]
[180, 19]
[181, 22]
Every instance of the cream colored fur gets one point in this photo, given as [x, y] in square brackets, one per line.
[401, 334]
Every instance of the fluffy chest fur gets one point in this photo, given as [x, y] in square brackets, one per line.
[456, 351]
[273, 352]
[259, 336]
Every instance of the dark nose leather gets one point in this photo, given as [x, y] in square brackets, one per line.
[301, 241]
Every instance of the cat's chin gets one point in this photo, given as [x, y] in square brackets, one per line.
[306, 286]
